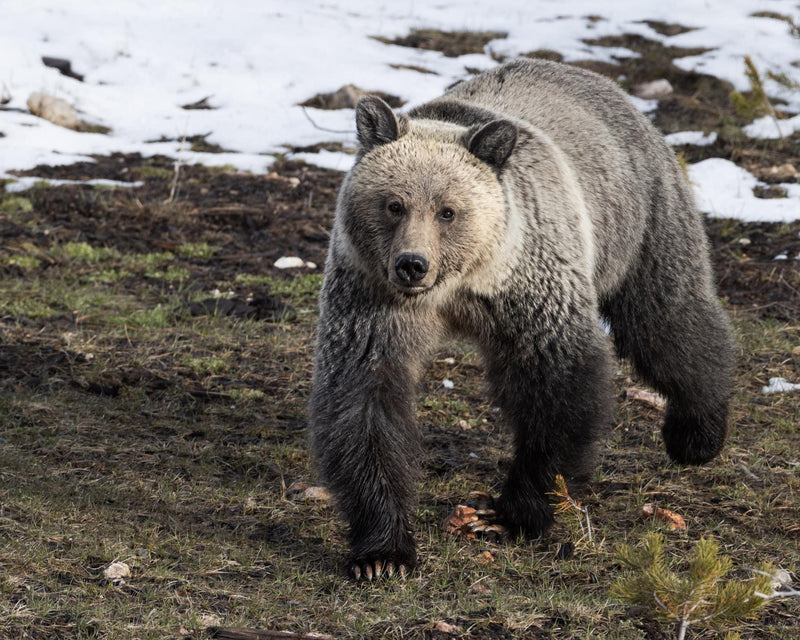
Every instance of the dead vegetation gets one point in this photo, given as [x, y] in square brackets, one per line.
[450, 43]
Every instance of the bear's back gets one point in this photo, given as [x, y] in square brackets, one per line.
[621, 162]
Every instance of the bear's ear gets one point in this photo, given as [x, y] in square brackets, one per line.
[493, 142]
[376, 123]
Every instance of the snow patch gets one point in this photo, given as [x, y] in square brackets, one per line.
[767, 128]
[780, 385]
[696, 138]
[27, 182]
[257, 62]
[725, 190]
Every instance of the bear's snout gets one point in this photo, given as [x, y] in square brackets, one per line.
[411, 268]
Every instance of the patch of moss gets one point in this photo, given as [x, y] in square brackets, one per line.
[196, 250]
[15, 204]
[23, 261]
[172, 274]
[84, 252]
[149, 172]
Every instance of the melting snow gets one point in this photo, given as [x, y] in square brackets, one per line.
[256, 60]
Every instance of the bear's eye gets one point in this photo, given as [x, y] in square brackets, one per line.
[447, 214]
[395, 208]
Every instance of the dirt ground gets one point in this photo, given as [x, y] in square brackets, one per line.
[154, 370]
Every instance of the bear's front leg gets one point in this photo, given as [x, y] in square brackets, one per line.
[555, 393]
[362, 423]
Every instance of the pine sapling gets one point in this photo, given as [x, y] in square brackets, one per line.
[699, 596]
[566, 503]
[757, 104]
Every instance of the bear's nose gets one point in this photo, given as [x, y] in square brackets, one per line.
[411, 267]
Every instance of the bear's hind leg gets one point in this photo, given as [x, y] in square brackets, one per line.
[667, 320]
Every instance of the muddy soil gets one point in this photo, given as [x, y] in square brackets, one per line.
[256, 219]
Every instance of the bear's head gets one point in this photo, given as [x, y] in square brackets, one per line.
[423, 207]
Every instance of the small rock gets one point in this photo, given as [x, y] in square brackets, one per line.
[446, 627]
[290, 180]
[304, 491]
[289, 262]
[116, 572]
[54, 109]
[447, 384]
[347, 97]
[653, 90]
[781, 579]
[745, 241]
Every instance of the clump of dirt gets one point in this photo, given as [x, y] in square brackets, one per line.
[450, 43]
[645, 46]
[199, 105]
[337, 147]
[413, 67]
[347, 97]
[666, 28]
[544, 54]
[769, 192]
[253, 219]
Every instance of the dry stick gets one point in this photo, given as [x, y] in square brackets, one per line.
[316, 126]
[232, 633]
[786, 591]
[177, 165]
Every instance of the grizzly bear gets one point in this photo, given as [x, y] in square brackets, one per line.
[519, 210]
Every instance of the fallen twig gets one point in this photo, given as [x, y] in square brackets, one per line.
[235, 633]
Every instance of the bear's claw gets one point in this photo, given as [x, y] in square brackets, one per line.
[375, 569]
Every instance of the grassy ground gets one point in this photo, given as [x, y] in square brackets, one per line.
[154, 374]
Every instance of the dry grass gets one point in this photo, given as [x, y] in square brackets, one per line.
[169, 447]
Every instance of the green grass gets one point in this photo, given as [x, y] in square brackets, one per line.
[196, 250]
[83, 252]
[132, 430]
[185, 484]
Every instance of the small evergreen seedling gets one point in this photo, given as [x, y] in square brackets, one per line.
[564, 503]
[756, 104]
[698, 596]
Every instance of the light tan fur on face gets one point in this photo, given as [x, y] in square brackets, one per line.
[428, 169]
